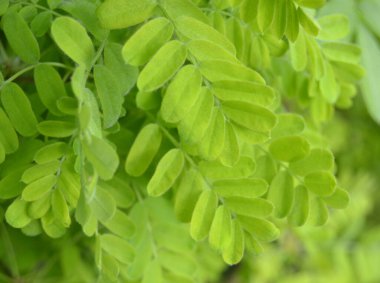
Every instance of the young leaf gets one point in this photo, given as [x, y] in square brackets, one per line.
[339, 199]
[230, 154]
[50, 152]
[164, 64]
[318, 214]
[194, 29]
[167, 172]
[117, 247]
[50, 87]
[253, 207]
[102, 156]
[261, 229]
[118, 14]
[265, 14]
[16, 215]
[203, 215]
[333, 27]
[187, 193]
[151, 36]
[281, 194]
[213, 141]
[203, 49]
[143, 150]
[194, 125]
[120, 224]
[289, 148]
[292, 26]
[39, 188]
[253, 93]
[234, 251]
[109, 93]
[308, 23]
[318, 159]
[56, 129]
[72, 38]
[8, 136]
[321, 183]
[251, 116]
[19, 109]
[38, 171]
[103, 205]
[300, 210]
[220, 70]
[220, 231]
[245, 188]
[20, 37]
[59, 208]
[41, 23]
[288, 124]
[181, 94]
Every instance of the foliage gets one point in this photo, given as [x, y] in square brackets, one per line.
[156, 141]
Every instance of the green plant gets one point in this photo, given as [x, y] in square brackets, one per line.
[123, 120]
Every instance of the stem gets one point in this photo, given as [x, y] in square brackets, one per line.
[31, 67]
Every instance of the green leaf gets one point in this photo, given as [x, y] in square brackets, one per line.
[230, 154]
[213, 141]
[261, 229]
[179, 8]
[152, 36]
[50, 87]
[314, 4]
[118, 14]
[8, 136]
[288, 124]
[328, 85]
[16, 215]
[153, 273]
[39, 188]
[162, 67]
[102, 156]
[220, 70]
[339, 199]
[321, 183]
[292, 26]
[2, 153]
[245, 188]
[245, 91]
[333, 27]
[203, 49]
[143, 150]
[38, 171]
[167, 171]
[59, 208]
[265, 14]
[120, 224]
[181, 94]
[56, 129]
[308, 23]
[343, 52]
[193, 29]
[19, 109]
[4, 4]
[216, 171]
[117, 247]
[40, 25]
[72, 38]
[234, 251]
[188, 190]
[318, 159]
[300, 209]
[10, 185]
[40, 207]
[298, 53]
[318, 212]
[103, 205]
[221, 230]
[281, 194]
[253, 207]
[280, 18]
[371, 61]
[194, 125]
[251, 116]
[109, 93]
[51, 226]
[203, 215]
[148, 100]
[20, 37]
[289, 148]
[126, 74]
[50, 152]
